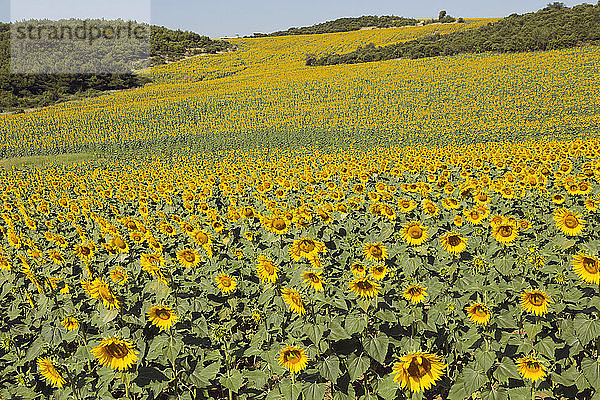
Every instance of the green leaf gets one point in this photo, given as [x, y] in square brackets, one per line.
[532, 330]
[202, 375]
[291, 391]
[357, 366]
[315, 332]
[587, 329]
[257, 379]
[519, 393]
[386, 315]
[498, 393]
[546, 347]
[505, 370]
[387, 388]
[591, 370]
[474, 379]
[337, 332]
[457, 391]
[314, 391]
[330, 368]
[355, 323]
[484, 359]
[377, 347]
[234, 381]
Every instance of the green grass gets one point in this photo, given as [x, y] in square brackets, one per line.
[37, 161]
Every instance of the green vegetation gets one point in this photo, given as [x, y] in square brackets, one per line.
[346, 25]
[23, 91]
[554, 27]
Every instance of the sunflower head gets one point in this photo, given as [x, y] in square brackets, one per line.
[415, 294]
[418, 371]
[294, 300]
[314, 280]
[535, 301]
[364, 287]
[379, 272]
[49, 371]
[267, 271]
[116, 354]
[587, 267]
[453, 243]
[478, 313]
[375, 251]
[531, 368]
[162, 317]
[226, 283]
[414, 233]
[292, 358]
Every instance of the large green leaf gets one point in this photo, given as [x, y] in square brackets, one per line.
[591, 370]
[233, 381]
[377, 347]
[329, 368]
[357, 366]
[587, 329]
[314, 391]
[473, 379]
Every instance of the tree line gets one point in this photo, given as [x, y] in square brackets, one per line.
[357, 23]
[19, 91]
[553, 27]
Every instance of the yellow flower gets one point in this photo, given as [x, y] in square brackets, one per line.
[307, 248]
[188, 257]
[292, 358]
[418, 371]
[536, 302]
[375, 251]
[453, 243]
[314, 280]
[531, 368]
[415, 294]
[505, 232]
[162, 317]
[116, 354]
[267, 271]
[119, 276]
[587, 267]
[70, 323]
[568, 222]
[478, 313]
[100, 290]
[293, 299]
[379, 272]
[48, 371]
[362, 286]
[414, 233]
[226, 283]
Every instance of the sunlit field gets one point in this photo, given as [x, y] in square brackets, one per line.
[401, 229]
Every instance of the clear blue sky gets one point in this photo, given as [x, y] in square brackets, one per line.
[232, 17]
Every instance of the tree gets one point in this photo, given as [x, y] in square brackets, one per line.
[441, 15]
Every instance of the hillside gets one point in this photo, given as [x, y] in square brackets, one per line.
[20, 91]
[551, 28]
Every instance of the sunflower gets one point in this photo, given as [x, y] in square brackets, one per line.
[70, 323]
[506, 232]
[293, 359]
[278, 225]
[568, 222]
[531, 368]
[226, 283]
[416, 294]
[188, 257]
[414, 233]
[418, 371]
[307, 248]
[116, 354]
[375, 251]
[293, 299]
[364, 287]
[119, 276]
[314, 280]
[587, 267]
[267, 271]
[478, 313]
[535, 302]
[453, 243]
[474, 216]
[379, 272]
[56, 257]
[84, 251]
[406, 205]
[162, 317]
[558, 198]
[48, 371]
[358, 269]
[99, 290]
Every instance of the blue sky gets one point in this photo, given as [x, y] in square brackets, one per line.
[243, 17]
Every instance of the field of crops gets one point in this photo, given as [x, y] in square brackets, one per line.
[263, 93]
[337, 273]
[403, 229]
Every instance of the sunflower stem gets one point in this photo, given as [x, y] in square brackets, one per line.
[73, 388]
[533, 391]
[126, 380]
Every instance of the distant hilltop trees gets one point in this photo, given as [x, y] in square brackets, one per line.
[553, 27]
[355, 24]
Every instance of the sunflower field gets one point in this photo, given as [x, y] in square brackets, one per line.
[399, 272]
